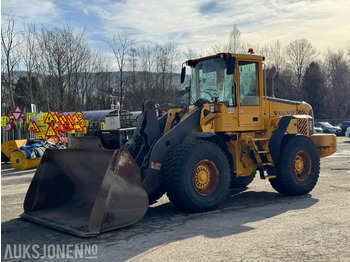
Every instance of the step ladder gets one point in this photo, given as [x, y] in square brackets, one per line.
[260, 148]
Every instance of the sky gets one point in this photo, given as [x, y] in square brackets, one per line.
[195, 24]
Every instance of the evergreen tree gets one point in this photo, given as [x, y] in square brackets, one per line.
[313, 89]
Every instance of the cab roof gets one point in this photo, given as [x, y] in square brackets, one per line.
[193, 62]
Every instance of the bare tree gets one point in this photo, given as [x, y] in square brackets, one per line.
[30, 62]
[166, 56]
[338, 82]
[78, 55]
[218, 48]
[146, 56]
[64, 52]
[275, 56]
[9, 61]
[121, 44]
[54, 56]
[300, 54]
[192, 54]
[235, 43]
[95, 83]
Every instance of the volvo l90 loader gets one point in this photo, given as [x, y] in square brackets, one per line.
[233, 128]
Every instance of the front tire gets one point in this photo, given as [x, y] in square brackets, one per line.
[198, 176]
[298, 167]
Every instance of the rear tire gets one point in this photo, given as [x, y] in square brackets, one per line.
[198, 176]
[298, 167]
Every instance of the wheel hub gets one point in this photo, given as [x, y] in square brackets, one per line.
[205, 177]
[202, 176]
[302, 165]
[299, 164]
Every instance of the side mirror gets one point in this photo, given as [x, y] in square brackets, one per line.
[231, 64]
[183, 74]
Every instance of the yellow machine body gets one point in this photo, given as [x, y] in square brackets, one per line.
[233, 127]
[252, 121]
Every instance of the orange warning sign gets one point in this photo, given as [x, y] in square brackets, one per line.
[82, 123]
[50, 132]
[78, 128]
[79, 115]
[76, 119]
[70, 119]
[33, 127]
[55, 117]
[49, 118]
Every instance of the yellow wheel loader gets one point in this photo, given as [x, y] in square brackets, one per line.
[233, 127]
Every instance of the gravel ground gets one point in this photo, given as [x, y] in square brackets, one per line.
[256, 224]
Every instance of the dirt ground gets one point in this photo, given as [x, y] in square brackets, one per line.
[256, 224]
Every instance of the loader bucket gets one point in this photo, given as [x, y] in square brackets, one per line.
[86, 191]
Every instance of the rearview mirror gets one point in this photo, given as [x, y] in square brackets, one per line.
[231, 64]
[183, 74]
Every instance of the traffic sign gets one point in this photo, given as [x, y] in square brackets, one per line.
[55, 117]
[17, 113]
[82, 122]
[33, 127]
[9, 126]
[79, 114]
[23, 120]
[29, 116]
[4, 120]
[76, 119]
[86, 125]
[78, 128]
[70, 119]
[50, 132]
[49, 118]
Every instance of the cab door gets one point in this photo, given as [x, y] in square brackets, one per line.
[249, 95]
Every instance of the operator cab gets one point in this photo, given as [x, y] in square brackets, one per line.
[234, 80]
[211, 82]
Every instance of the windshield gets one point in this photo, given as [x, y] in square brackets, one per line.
[326, 124]
[209, 80]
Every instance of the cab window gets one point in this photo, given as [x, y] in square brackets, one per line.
[248, 84]
[209, 80]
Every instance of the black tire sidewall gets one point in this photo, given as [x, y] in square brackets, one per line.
[191, 200]
[286, 174]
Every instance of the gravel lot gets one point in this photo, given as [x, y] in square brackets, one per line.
[256, 224]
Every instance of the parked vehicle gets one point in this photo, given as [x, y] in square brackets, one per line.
[318, 129]
[347, 132]
[328, 128]
[344, 125]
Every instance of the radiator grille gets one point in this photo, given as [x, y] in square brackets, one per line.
[302, 123]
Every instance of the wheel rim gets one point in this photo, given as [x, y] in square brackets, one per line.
[205, 177]
[302, 165]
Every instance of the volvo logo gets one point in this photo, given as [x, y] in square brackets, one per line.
[283, 113]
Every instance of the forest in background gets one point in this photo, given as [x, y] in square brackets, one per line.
[55, 69]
